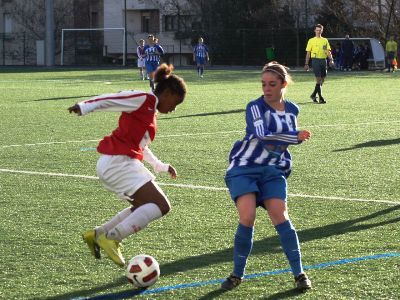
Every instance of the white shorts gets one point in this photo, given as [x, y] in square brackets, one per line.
[141, 62]
[122, 175]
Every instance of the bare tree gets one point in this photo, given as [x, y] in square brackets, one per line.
[182, 9]
[31, 16]
[375, 18]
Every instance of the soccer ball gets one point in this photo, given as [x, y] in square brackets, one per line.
[143, 270]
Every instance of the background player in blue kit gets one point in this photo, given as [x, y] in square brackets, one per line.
[200, 55]
[153, 53]
[259, 167]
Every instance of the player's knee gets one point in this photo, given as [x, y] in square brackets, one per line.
[248, 221]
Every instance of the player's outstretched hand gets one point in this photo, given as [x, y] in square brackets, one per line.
[303, 135]
[307, 67]
[75, 109]
[172, 172]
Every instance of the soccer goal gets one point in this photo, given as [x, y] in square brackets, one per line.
[92, 46]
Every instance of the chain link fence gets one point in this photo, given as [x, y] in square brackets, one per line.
[242, 47]
[18, 49]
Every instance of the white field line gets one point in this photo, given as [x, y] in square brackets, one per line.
[55, 80]
[201, 187]
[194, 134]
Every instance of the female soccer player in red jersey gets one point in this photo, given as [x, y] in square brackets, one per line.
[120, 166]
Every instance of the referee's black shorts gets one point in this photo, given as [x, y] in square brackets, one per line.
[319, 67]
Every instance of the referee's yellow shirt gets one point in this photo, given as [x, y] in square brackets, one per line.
[318, 47]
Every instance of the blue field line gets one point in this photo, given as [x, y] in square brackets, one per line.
[126, 294]
[88, 149]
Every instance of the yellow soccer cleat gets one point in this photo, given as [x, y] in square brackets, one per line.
[112, 248]
[89, 237]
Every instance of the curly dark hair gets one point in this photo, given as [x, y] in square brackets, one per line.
[164, 79]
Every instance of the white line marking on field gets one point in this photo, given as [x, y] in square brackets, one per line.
[201, 187]
[351, 124]
[192, 134]
[48, 143]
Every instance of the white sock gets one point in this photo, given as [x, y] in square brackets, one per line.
[114, 221]
[135, 222]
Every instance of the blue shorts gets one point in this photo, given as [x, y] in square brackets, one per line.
[151, 66]
[266, 181]
[200, 60]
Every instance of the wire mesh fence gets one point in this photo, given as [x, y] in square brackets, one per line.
[227, 47]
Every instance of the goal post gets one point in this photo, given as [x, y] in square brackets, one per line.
[111, 41]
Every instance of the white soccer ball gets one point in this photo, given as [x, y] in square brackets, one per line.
[143, 270]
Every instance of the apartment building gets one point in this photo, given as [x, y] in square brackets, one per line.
[172, 22]
[86, 30]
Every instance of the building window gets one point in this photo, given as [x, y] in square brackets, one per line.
[170, 23]
[145, 23]
[94, 20]
[7, 23]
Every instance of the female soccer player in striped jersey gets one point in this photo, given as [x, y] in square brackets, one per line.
[120, 166]
[153, 52]
[259, 167]
[200, 56]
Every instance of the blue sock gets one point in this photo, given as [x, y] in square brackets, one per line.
[291, 246]
[242, 248]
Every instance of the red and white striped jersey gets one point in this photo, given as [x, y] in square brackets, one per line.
[137, 124]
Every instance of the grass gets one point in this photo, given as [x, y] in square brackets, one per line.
[353, 154]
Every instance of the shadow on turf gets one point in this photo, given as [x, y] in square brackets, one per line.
[377, 143]
[284, 294]
[213, 294]
[267, 245]
[61, 98]
[206, 114]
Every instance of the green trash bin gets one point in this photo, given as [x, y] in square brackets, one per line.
[270, 52]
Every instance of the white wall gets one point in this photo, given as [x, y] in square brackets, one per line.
[113, 18]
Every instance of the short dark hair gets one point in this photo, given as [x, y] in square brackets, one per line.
[319, 26]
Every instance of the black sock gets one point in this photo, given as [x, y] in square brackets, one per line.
[319, 90]
[315, 91]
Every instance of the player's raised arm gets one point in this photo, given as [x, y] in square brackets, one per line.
[125, 101]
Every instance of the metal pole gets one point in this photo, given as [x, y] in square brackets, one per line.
[125, 35]
[50, 41]
[62, 47]
[124, 49]
[306, 11]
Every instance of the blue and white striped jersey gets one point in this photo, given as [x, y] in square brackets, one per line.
[200, 50]
[153, 53]
[268, 134]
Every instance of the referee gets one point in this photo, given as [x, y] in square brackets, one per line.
[318, 49]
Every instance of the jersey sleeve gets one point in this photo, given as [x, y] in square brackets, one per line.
[160, 49]
[157, 165]
[258, 127]
[125, 101]
[309, 45]
[138, 52]
[328, 46]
